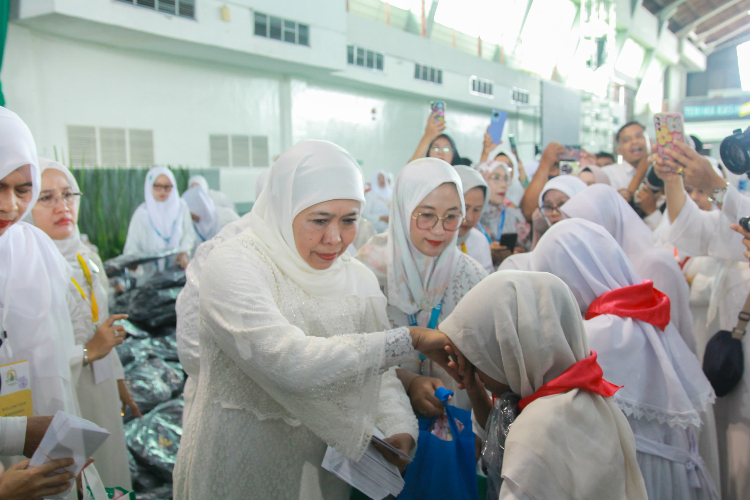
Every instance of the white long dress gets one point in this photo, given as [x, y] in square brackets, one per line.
[188, 310]
[281, 376]
[99, 403]
[377, 206]
[666, 397]
[698, 233]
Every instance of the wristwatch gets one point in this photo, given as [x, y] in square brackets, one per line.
[718, 195]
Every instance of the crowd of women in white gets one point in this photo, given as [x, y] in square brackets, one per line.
[329, 310]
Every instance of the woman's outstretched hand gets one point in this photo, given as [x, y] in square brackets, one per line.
[434, 345]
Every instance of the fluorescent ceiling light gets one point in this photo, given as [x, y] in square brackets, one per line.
[743, 61]
[631, 58]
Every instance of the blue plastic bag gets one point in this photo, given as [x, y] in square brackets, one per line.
[443, 469]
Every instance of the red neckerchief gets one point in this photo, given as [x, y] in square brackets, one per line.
[643, 302]
[585, 374]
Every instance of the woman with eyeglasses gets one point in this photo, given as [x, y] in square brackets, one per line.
[295, 344]
[435, 144]
[556, 192]
[160, 224]
[501, 217]
[100, 384]
[421, 270]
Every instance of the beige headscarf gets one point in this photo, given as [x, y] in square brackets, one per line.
[524, 329]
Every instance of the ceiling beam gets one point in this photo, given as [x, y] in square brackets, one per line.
[711, 46]
[703, 35]
[694, 24]
[666, 12]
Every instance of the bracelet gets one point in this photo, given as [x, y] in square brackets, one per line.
[85, 356]
[718, 194]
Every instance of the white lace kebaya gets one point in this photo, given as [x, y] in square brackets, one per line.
[287, 365]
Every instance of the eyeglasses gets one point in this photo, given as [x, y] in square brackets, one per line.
[49, 200]
[163, 187]
[442, 150]
[498, 178]
[550, 209]
[451, 222]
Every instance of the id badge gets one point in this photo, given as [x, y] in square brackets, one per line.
[15, 390]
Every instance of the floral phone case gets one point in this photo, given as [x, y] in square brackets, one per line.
[669, 128]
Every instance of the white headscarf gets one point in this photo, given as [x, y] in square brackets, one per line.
[470, 179]
[523, 330]
[663, 380]
[309, 173]
[416, 282]
[34, 280]
[603, 205]
[201, 204]
[260, 182]
[568, 184]
[515, 188]
[384, 192]
[165, 216]
[71, 246]
[199, 180]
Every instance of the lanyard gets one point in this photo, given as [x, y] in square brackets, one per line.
[431, 325]
[433, 317]
[501, 225]
[90, 281]
[463, 247]
[174, 226]
[198, 232]
[484, 232]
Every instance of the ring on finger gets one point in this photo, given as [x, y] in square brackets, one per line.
[117, 334]
[679, 170]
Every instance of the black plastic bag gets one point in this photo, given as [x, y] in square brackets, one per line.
[153, 308]
[155, 438]
[163, 347]
[132, 350]
[171, 277]
[153, 381]
[132, 330]
[724, 362]
[161, 493]
[142, 479]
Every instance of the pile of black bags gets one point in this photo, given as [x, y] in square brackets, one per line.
[156, 379]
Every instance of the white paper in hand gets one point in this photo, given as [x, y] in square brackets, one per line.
[69, 436]
[373, 475]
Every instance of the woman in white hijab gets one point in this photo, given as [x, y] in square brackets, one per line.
[501, 216]
[523, 332]
[220, 199]
[99, 375]
[286, 365]
[555, 193]
[417, 262]
[35, 284]
[666, 397]
[208, 218]
[378, 200]
[471, 240]
[160, 224]
[603, 205]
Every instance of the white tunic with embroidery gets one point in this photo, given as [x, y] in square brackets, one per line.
[283, 374]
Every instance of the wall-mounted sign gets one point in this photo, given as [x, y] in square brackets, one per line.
[730, 108]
